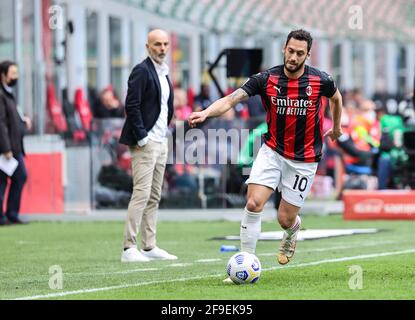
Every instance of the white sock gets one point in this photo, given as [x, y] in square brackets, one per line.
[250, 230]
[295, 227]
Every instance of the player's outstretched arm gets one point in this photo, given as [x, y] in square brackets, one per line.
[218, 108]
[336, 110]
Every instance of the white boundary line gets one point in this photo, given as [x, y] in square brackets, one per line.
[208, 260]
[115, 272]
[123, 286]
[187, 264]
[368, 244]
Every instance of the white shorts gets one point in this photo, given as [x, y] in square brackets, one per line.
[292, 178]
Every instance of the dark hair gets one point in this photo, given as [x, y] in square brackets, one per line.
[5, 65]
[301, 35]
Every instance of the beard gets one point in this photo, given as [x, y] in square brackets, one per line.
[292, 69]
[159, 58]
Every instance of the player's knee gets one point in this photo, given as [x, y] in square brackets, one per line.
[253, 205]
[284, 221]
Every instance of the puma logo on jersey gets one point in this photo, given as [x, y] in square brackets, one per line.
[278, 89]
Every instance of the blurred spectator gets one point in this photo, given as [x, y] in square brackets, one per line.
[255, 107]
[181, 108]
[407, 108]
[359, 144]
[392, 156]
[365, 126]
[356, 98]
[203, 100]
[108, 105]
[190, 96]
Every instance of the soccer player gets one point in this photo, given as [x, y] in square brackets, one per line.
[288, 159]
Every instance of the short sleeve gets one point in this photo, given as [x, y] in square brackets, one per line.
[256, 84]
[329, 87]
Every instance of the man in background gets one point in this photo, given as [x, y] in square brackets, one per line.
[12, 130]
[149, 110]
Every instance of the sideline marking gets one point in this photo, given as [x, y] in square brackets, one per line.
[208, 260]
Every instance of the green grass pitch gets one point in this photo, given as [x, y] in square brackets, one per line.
[89, 255]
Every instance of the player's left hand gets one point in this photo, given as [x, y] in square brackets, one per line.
[334, 133]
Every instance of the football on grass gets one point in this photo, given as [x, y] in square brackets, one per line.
[244, 267]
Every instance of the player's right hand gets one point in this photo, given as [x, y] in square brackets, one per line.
[195, 118]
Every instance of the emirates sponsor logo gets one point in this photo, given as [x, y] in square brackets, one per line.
[288, 102]
[294, 107]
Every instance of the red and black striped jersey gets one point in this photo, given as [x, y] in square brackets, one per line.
[294, 113]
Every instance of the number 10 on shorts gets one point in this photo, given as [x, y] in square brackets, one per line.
[300, 183]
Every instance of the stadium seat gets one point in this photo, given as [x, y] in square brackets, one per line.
[83, 109]
[55, 110]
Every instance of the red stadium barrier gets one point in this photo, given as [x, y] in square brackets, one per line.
[43, 192]
[385, 204]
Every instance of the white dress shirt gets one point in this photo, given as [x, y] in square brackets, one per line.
[159, 131]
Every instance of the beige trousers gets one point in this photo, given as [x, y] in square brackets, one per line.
[148, 166]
